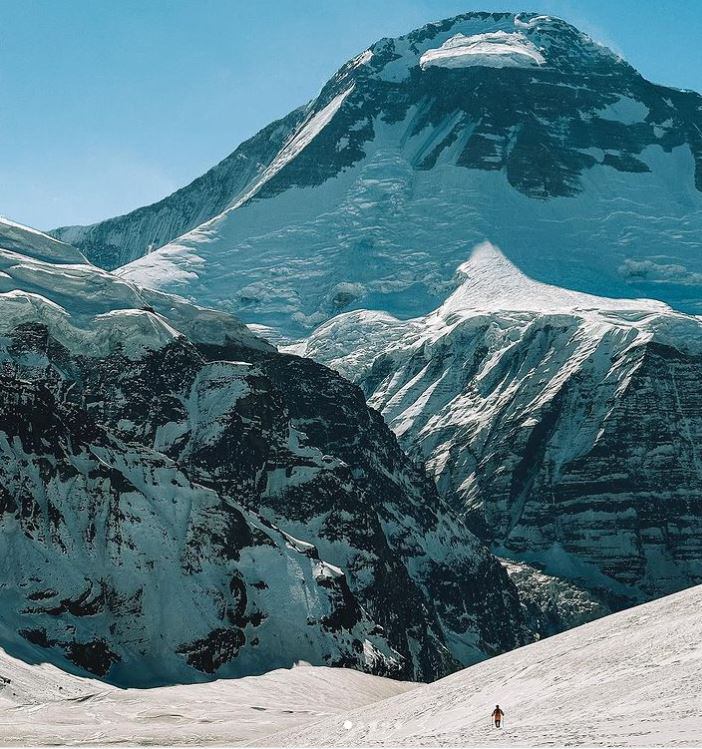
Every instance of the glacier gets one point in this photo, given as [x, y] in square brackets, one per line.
[626, 680]
[42, 705]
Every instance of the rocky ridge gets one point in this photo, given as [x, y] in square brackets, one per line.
[564, 428]
[180, 501]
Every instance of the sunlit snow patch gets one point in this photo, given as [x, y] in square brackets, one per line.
[499, 49]
[363, 59]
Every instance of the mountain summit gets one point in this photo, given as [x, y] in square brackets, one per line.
[512, 128]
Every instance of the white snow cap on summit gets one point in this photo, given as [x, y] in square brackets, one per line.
[499, 49]
[495, 40]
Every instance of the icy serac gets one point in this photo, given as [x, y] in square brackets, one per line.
[565, 428]
[178, 500]
[516, 129]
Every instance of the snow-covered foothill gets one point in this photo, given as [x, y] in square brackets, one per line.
[42, 705]
[627, 680]
[158, 458]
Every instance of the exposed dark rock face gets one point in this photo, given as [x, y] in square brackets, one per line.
[137, 443]
[177, 506]
[565, 429]
[627, 500]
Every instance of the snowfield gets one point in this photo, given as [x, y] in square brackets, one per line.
[43, 705]
[630, 679]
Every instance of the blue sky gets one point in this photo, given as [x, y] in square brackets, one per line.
[107, 105]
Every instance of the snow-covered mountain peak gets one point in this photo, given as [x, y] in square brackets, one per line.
[547, 415]
[492, 293]
[490, 40]
[490, 282]
[515, 128]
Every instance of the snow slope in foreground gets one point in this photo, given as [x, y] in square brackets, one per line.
[630, 679]
[43, 705]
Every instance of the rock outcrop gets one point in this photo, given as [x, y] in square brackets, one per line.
[180, 501]
[565, 429]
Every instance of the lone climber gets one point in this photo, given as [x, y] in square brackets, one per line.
[497, 716]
